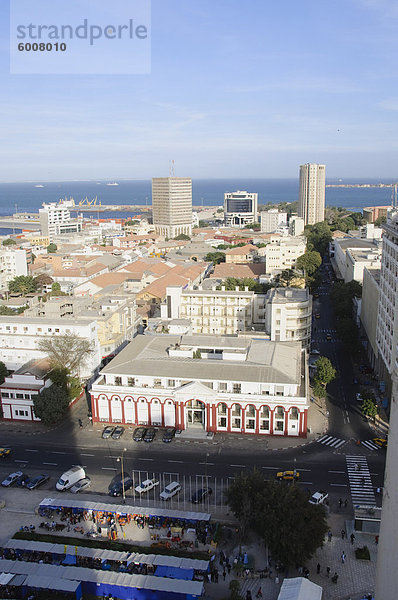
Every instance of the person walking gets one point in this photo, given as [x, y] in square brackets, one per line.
[224, 574]
[335, 577]
[259, 593]
[352, 538]
[343, 534]
[229, 568]
[345, 503]
[343, 557]
[327, 571]
[340, 502]
[330, 535]
[318, 569]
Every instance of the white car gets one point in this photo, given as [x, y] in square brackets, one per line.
[12, 478]
[146, 486]
[315, 351]
[81, 485]
[358, 397]
[170, 490]
[319, 498]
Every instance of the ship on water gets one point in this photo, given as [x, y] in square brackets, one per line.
[39, 185]
[112, 183]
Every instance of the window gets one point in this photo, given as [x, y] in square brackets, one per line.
[131, 381]
[222, 415]
[157, 382]
[20, 396]
[237, 388]
[250, 418]
[236, 421]
[222, 386]
[171, 382]
[5, 395]
[118, 381]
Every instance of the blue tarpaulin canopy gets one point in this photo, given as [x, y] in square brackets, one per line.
[174, 573]
[70, 559]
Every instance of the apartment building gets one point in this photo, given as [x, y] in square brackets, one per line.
[172, 206]
[311, 204]
[206, 384]
[347, 251]
[272, 219]
[368, 313]
[55, 219]
[282, 313]
[13, 262]
[283, 254]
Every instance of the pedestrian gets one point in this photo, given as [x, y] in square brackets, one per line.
[248, 595]
[343, 557]
[229, 568]
[224, 574]
[216, 576]
[340, 502]
[343, 534]
[335, 577]
[327, 571]
[352, 538]
[259, 593]
[345, 503]
[376, 540]
[80, 423]
[318, 568]
[330, 535]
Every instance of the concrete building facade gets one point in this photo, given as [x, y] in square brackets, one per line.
[240, 208]
[172, 206]
[272, 219]
[207, 384]
[20, 388]
[282, 254]
[55, 219]
[13, 262]
[311, 206]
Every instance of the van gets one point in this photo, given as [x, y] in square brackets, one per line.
[70, 477]
[170, 490]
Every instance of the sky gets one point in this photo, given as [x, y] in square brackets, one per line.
[250, 89]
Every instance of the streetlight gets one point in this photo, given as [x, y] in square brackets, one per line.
[120, 459]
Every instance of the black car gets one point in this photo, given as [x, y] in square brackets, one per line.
[117, 484]
[201, 494]
[169, 434]
[117, 433]
[108, 430]
[139, 433]
[150, 435]
[37, 481]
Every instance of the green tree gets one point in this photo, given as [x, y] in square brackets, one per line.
[319, 389]
[318, 237]
[325, 371]
[9, 242]
[215, 257]
[203, 224]
[51, 405]
[51, 248]
[67, 351]
[254, 226]
[42, 280]
[342, 295]
[7, 311]
[369, 408]
[348, 333]
[292, 528]
[309, 262]
[22, 284]
[182, 236]
[378, 223]
[288, 278]
[3, 372]
[56, 287]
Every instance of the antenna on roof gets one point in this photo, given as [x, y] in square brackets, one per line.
[171, 169]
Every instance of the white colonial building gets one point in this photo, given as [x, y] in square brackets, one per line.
[207, 383]
[20, 388]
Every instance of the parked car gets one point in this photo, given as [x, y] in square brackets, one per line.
[328, 337]
[37, 481]
[117, 433]
[146, 486]
[117, 484]
[5, 452]
[358, 397]
[317, 316]
[139, 433]
[23, 481]
[201, 494]
[320, 497]
[107, 432]
[70, 477]
[170, 490]
[12, 478]
[81, 485]
[150, 435]
[288, 475]
[169, 434]
[315, 351]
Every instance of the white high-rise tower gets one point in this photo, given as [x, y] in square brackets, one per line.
[312, 193]
[172, 205]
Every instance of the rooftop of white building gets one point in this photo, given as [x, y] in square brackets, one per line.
[234, 359]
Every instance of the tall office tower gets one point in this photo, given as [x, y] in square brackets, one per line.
[172, 205]
[387, 344]
[312, 193]
[240, 208]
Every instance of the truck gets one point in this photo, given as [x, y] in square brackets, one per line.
[70, 477]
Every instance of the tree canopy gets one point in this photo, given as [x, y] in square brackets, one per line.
[42, 280]
[231, 283]
[51, 405]
[215, 257]
[342, 295]
[280, 513]
[182, 236]
[369, 408]
[309, 262]
[325, 371]
[3, 372]
[22, 284]
[67, 351]
[318, 237]
[9, 242]
[289, 278]
[51, 248]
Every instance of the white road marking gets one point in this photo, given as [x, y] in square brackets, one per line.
[342, 472]
[339, 484]
[87, 454]
[237, 465]
[207, 463]
[175, 461]
[21, 461]
[275, 468]
[48, 463]
[109, 468]
[151, 459]
[31, 450]
[55, 452]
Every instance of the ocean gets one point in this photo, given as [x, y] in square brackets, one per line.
[26, 197]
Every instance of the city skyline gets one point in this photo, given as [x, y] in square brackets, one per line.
[318, 86]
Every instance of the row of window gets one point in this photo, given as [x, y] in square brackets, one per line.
[221, 387]
[18, 395]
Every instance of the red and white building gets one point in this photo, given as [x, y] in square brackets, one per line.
[206, 383]
[19, 388]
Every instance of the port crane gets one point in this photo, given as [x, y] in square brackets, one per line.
[393, 186]
[87, 202]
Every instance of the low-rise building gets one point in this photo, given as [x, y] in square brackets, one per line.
[241, 254]
[20, 388]
[288, 314]
[207, 384]
[347, 251]
[272, 219]
[283, 254]
[13, 262]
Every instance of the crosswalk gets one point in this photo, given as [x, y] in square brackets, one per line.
[360, 481]
[329, 440]
[370, 445]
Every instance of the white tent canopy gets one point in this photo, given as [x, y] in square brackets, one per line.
[300, 588]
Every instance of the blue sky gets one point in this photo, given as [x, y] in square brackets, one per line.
[249, 89]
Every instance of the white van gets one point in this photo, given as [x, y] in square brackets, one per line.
[170, 490]
[70, 477]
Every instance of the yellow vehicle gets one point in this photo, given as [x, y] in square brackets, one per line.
[317, 316]
[5, 452]
[288, 475]
[381, 442]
